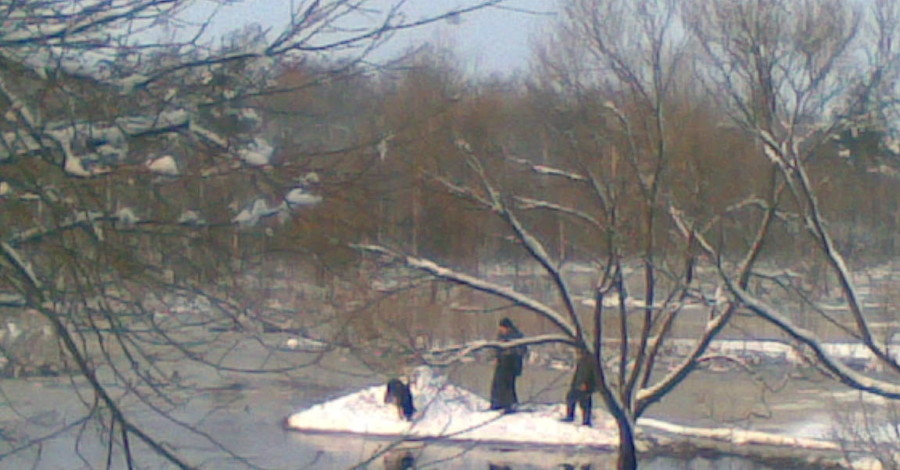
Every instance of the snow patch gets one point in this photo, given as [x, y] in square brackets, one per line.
[739, 436]
[446, 411]
[190, 217]
[256, 153]
[452, 413]
[164, 165]
[126, 216]
[309, 178]
[257, 210]
[299, 197]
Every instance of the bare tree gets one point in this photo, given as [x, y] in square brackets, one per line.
[606, 172]
[138, 175]
[796, 75]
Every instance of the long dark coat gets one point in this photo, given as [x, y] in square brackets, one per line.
[508, 366]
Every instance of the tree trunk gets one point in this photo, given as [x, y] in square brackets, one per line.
[627, 450]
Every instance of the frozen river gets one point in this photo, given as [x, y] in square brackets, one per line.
[229, 420]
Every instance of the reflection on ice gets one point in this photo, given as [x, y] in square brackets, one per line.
[384, 454]
[401, 460]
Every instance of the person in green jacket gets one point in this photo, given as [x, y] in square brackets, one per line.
[583, 386]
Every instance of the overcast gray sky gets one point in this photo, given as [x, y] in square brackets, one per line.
[494, 40]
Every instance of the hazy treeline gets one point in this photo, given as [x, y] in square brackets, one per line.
[373, 143]
[647, 138]
[379, 141]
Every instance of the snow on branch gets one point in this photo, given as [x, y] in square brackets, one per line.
[78, 38]
[529, 203]
[258, 209]
[646, 396]
[466, 193]
[24, 267]
[550, 171]
[796, 177]
[482, 285]
[17, 106]
[191, 218]
[65, 22]
[816, 223]
[90, 148]
[775, 151]
[495, 202]
[112, 136]
[843, 372]
[451, 354]
[81, 219]
[299, 197]
[256, 153]
[208, 135]
[539, 253]
[11, 300]
[715, 324]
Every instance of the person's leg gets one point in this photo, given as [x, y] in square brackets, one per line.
[408, 412]
[408, 408]
[496, 389]
[503, 390]
[571, 398]
[586, 404]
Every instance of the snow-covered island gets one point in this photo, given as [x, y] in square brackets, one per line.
[447, 412]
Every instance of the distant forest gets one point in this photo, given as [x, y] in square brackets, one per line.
[381, 142]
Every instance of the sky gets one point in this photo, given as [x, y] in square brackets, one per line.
[491, 41]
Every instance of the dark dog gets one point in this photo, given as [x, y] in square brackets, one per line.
[398, 393]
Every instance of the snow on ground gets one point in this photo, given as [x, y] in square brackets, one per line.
[853, 354]
[738, 436]
[446, 411]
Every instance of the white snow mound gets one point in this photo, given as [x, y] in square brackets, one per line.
[448, 412]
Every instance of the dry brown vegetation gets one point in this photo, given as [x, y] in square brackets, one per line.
[678, 149]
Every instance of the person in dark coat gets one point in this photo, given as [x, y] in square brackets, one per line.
[398, 394]
[584, 383]
[508, 367]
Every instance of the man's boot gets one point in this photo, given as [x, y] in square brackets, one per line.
[570, 414]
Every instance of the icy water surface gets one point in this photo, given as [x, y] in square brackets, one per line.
[229, 417]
